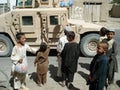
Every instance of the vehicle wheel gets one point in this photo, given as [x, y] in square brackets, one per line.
[5, 46]
[88, 44]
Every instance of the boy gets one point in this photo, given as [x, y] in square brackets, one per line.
[60, 46]
[98, 68]
[70, 55]
[103, 33]
[19, 57]
[111, 53]
[42, 63]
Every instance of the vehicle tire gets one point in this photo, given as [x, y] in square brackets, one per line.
[5, 46]
[88, 44]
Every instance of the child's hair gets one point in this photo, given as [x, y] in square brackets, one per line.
[103, 31]
[65, 32]
[18, 35]
[111, 31]
[104, 45]
[71, 35]
[43, 47]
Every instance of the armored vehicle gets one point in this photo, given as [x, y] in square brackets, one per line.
[38, 17]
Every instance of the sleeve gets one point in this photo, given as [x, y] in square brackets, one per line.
[115, 48]
[77, 52]
[92, 64]
[14, 56]
[113, 56]
[101, 69]
[29, 49]
[48, 50]
[63, 51]
[36, 59]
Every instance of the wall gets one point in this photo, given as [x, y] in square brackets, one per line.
[88, 12]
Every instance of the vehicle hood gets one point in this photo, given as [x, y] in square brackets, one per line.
[86, 25]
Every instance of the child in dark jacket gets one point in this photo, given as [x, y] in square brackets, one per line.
[42, 63]
[70, 55]
[98, 68]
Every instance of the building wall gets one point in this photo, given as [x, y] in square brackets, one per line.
[6, 5]
[88, 11]
[4, 8]
[80, 11]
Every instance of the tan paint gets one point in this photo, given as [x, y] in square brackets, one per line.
[12, 22]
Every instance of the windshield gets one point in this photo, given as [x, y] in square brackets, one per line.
[19, 3]
[28, 2]
[54, 20]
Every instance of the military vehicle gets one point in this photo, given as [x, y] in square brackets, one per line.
[38, 17]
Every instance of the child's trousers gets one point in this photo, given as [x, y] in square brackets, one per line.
[67, 75]
[19, 80]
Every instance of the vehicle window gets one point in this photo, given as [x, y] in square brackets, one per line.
[54, 20]
[19, 3]
[28, 2]
[27, 20]
[44, 1]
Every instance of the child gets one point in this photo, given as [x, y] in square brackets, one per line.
[98, 68]
[103, 33]
[42, 63]
[70, 55]
[18, 57]
[111, 53]
[60, 46]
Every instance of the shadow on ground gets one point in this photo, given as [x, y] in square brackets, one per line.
[33, 76]
[72, 87]
[118, 83]
[11, 81]
[53, 73]
[84, 75]
[2, 88]
[85, 65]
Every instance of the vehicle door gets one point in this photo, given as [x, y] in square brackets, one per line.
[30, 25]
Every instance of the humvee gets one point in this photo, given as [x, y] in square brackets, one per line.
[38, 17]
